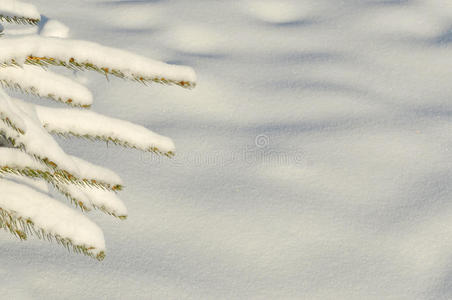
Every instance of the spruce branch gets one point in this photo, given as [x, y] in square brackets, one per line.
[9, 123]
[63, 166]
[83, 55]
[81, 197]
[75, 65]
[35, 92]
[10, 115]
[14, 11]
[56, 181]
[19, 20]
[109, 139]
[54, 172]
[22, 227]
[88, 198]
[33, 153]
[29, 212]
[79, 124]
[60, 187]
[65, 176]
[39, 82]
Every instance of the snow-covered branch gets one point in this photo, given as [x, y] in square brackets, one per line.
[10, 114]
[17, 162]
[19, 12]
[88, 198]
[26, 211]
[37, 81]
[76, 54]
[88, 124]
[39, 144]
[31, 160]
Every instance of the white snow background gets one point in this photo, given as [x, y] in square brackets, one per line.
[312, 159]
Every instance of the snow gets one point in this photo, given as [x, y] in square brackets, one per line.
[313, 158]
[94, 125]
[44, 83]
[37, 184]
[278, 12]
[18, 159]
[38, 143]
[131, 66]
[9, 114]
[51, 216]
[105, 200]
[54, 28]
[98, 173]
[14, 160]
[18, 8]
[195, 39]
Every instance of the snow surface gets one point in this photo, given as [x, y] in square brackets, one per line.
[313, 157]
[54, 28]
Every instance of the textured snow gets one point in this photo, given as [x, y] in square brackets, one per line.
[54, 28]
[273, 11]
[313, 158]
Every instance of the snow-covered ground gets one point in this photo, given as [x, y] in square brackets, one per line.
[312, 159]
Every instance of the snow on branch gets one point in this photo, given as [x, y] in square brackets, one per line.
[38, 82]
[16, 162]
[39, 144]
[25, 211]
[77, 54]
[37, 184]
[88, 124]
[88, 198]
[19, 12]
[10, 115]
[30, 158]
[97, 174]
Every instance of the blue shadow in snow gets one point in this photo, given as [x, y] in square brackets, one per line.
[444, 39]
